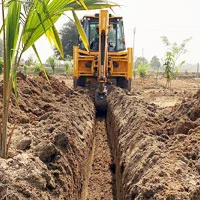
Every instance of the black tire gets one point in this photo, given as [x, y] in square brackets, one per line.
[81, 81]
[124, 83]
[129, 85]
[75, 82]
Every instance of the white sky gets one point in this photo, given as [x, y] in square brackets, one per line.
[176, 19]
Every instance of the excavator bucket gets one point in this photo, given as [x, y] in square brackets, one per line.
[100, 102]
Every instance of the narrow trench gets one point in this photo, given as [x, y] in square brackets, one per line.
[101, 179]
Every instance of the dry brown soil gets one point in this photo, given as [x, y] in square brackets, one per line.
[155, 135]
[147, 147]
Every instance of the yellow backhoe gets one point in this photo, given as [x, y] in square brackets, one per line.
[108, 61]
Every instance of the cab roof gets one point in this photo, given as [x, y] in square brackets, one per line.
[97, 16]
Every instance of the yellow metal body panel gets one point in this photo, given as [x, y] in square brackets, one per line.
[124, 62]
[116, 64]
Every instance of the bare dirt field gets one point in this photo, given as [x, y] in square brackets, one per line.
[146, 147]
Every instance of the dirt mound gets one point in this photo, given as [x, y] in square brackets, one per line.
[52, 141]
[156, 151]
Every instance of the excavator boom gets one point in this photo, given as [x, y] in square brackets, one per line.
[101, 91]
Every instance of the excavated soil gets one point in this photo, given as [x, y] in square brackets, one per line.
[147, 147]
[52, 141]
[156, 149]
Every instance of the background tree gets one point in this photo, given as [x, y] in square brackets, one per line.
[140, 61]
[142, 70]
[69, 38]
[1, 66]
[29, 62]
[176, 51]
[37, 67]
[134, 73]
[68, 69]
[169, 68]
[155, 63]
[51, 61]
[1, 48]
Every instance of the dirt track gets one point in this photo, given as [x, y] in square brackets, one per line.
[155, 144]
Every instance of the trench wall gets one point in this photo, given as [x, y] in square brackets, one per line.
[51, 149]
[149, 163]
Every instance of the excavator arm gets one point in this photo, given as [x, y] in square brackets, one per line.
[101, 91]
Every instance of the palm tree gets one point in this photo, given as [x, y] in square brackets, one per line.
[25, 22]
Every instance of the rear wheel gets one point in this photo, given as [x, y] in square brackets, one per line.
[124, 83]
[75, 82]
[81, 81]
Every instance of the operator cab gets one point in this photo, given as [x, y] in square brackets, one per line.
[116, 39]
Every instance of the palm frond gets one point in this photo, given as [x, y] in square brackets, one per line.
[42, 66]
[93, 4]
[50, 11]
[12, 32]
[81, 31]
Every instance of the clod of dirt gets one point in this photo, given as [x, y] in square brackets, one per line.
[24, 143]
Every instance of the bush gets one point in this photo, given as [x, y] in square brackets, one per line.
[134, 73]
[142, 70]
[37, 68]
[68, 69]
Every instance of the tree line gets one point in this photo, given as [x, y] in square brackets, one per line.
[169, 64]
